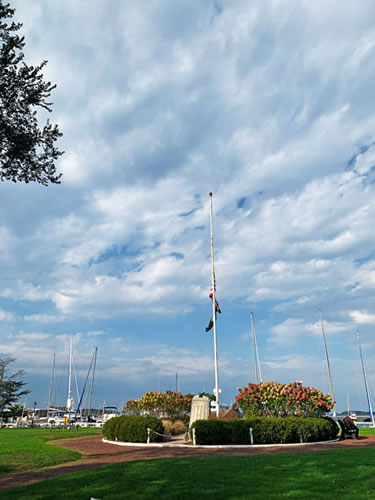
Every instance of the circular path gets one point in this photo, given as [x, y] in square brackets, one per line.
[97, 453]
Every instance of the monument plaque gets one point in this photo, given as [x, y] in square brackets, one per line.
[200, 409]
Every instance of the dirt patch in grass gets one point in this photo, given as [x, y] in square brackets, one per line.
[97, 453]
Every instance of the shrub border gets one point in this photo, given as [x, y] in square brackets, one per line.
[266, 430]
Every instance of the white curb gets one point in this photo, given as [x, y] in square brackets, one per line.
[214, 446]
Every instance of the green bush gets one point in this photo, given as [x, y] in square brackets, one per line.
[266, 430]
[132, 429]
[110, 428]
[211, 432]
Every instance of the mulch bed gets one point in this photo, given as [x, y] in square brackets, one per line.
[97, 453]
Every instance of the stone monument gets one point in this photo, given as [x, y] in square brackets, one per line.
[200, 409]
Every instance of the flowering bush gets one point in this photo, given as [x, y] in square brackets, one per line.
[270, 399]
[152, 403]
[131, 408]
[173, 405]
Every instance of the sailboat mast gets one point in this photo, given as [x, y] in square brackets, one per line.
[257, 370]
[92, 380]
[50, 383]
[348, 411]
[365, 379]
[328, 365]
[69, 402]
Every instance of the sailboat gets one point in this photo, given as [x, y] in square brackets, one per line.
[349, 412]
[92, 369]
[68, 414]
[328, 366]
[365, 381]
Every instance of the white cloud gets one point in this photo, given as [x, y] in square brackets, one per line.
[266, 105]
[6, 315]
[95, 333]
[23, 336]
[292, 330]
[44, 318]
[362, 317]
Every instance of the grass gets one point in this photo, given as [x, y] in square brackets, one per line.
[23, 450]
[367, 432]
[344, 474]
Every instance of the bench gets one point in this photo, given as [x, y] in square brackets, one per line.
[348, 429]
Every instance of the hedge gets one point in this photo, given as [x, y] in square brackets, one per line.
[266, 430]
[132, 429]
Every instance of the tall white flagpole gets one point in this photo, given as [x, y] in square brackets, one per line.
[328, 365]
[214, 309]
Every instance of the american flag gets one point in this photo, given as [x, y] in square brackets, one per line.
[211, 296]
[218, 310]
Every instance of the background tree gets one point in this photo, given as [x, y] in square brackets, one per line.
[172, 405]
[210, 396]
[16, 410]
[27, 151]
[11, 386]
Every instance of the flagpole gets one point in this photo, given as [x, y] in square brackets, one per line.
[254, 349]
[214, 309]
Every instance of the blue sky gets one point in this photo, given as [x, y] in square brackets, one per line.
[269, 105]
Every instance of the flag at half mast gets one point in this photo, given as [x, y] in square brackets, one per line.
[217, 309]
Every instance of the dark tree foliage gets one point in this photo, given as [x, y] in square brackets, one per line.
[11, 386]
[27, 151]
[16, 410]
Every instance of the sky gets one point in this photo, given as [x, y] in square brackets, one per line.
[269, 105]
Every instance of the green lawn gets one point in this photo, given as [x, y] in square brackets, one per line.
[344, 474]
[24, 450]
[367, 432]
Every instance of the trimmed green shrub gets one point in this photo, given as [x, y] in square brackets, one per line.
[132, 429]
[211, 432]
[110, 428]
[266, 430]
